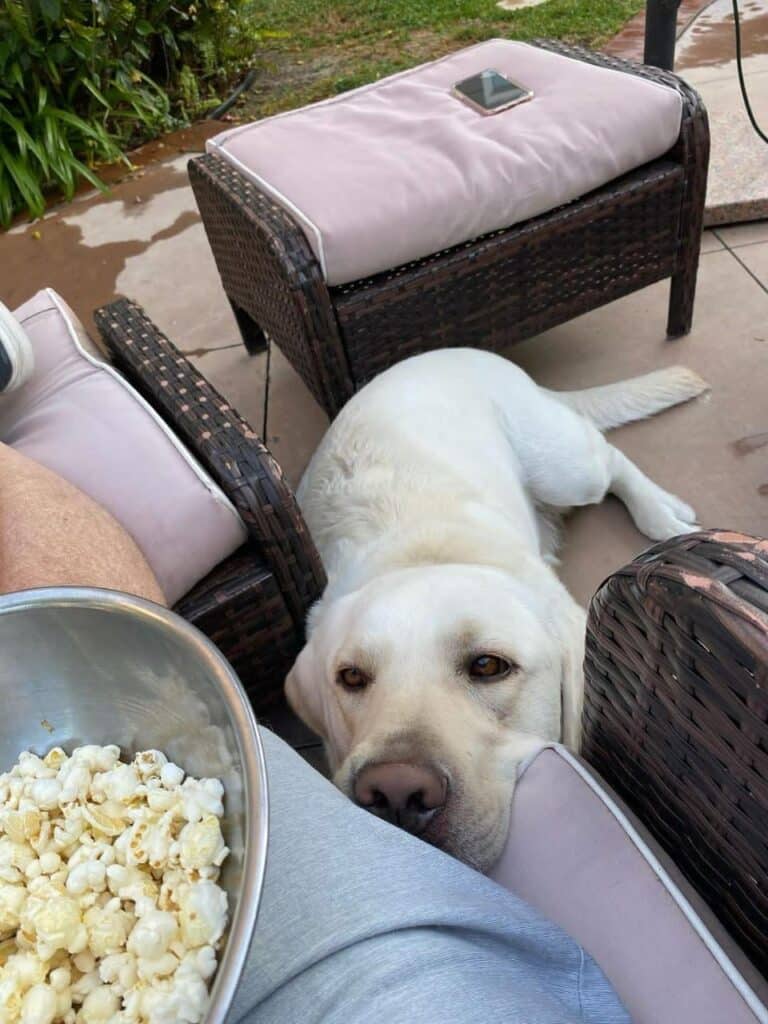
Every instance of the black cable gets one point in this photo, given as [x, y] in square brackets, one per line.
[742, 83]
[267, 384]
[246, 83]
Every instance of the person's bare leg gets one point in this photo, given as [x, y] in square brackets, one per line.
[51, 534]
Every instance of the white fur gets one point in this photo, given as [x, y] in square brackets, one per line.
[431, 501]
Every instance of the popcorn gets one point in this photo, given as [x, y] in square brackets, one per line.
[109, 908]
[55, 923]
[45, 793]
[12, 900]
[38, 1005]
[99, 1006]
[171, 775]
[85, 876]
[203, 913]
[201, 843]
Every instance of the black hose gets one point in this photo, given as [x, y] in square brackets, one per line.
[246, 84]
[742, 83]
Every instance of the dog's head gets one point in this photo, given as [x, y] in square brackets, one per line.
[430, 684]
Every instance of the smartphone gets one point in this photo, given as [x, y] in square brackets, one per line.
[489, 92]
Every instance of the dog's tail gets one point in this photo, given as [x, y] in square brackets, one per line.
[635, 399]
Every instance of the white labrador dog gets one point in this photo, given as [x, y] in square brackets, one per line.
[444, 647]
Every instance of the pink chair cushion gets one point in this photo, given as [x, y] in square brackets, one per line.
[400, 169]
[79, 418]
[577, 855]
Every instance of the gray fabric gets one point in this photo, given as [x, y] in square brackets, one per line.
[362, 923]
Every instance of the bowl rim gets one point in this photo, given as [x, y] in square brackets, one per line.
[242, 922]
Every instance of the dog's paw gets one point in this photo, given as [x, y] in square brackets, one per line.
[661, 516]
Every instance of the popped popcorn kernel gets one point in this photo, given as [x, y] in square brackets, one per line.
[109, 908]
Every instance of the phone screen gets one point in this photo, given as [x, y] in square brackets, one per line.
[490, 90]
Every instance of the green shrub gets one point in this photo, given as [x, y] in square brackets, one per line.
[80, 80]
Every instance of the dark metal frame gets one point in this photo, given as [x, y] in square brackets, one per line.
[660, 33]
[487, 293]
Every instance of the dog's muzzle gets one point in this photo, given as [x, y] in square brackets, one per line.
[407, 795]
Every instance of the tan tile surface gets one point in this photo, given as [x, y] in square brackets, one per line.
[689, 449]
[710, 242]
[755, 258]
[743, 234]
[155, 251]
[239, 377]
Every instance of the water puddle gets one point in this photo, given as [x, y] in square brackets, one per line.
[710, 41]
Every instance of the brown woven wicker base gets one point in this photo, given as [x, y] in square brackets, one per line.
[676, 714]
[253, 605]
[487, 293]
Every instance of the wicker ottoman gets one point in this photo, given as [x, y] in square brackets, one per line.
[618, 207]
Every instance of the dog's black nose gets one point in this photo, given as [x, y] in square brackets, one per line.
[408, 795]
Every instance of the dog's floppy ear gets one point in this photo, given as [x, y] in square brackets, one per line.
[572, 678]
[304, 689]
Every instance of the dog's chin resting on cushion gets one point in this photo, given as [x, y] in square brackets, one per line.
[445, 649]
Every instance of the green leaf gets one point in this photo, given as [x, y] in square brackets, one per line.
[90, 176]
[144, 28]
[90, 85]
[25, 182]
[15, 75]
[51, 9]
[6, 200]
[20, 19]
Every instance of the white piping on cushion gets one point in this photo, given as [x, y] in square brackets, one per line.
[217, 144]
[207, 481]
[278, 196]
[713, 947]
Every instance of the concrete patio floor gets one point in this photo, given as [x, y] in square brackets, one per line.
[705, 55]
[738, 170]
[145, 241]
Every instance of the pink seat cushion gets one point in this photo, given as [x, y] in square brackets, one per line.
[575, 853]
[79, 418]
[400, 169]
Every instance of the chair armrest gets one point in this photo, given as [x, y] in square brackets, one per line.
[225, 445]
[676, 714]
[240, 607]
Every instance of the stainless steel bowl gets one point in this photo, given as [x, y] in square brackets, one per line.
[93, 666]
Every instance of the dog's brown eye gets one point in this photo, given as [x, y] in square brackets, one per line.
[352, 677]
[489, 666]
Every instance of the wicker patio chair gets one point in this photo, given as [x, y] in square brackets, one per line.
[490, 292]
[253, 605]
[676, 714]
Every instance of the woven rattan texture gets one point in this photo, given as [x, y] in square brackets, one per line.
[240, 607]
[255, 604]
[676, 714]
[516, 283]
[269, 271]
[488, 293]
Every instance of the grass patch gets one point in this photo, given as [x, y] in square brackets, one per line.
[317, 48]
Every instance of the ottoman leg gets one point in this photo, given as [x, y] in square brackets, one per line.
[254, 339]
[681, 296]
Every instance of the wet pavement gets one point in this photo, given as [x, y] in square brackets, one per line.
[145, 240]
[706, 57]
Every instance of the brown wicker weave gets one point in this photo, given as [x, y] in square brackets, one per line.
[676, 714]
[254, 604]
[488, 293]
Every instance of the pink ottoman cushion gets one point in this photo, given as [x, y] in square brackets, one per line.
[79, 418]
[400, 169]
[577, 855]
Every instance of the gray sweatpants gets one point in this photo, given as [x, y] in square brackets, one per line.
[361, 923]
